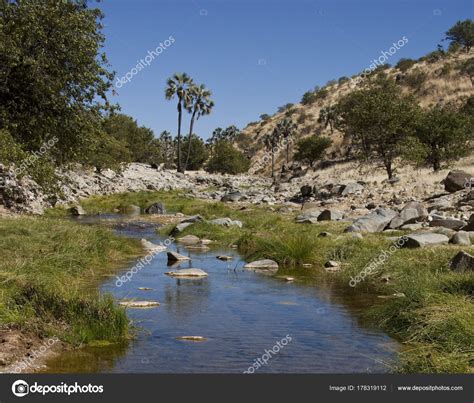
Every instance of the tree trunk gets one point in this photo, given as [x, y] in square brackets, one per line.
[180, 113]
[273, 164]
[287, 152]
[189, 139]
[436, 165]
[388, 167]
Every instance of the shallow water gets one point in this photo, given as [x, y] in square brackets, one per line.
[241, 314]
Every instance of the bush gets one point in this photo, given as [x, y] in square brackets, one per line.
[198, 155]
[227, 160]
[311, 149]
[415, 79]
[404, 64]
[343, 79]
[265, 117]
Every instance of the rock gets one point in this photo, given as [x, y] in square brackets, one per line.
[412, 227]
[412, 212]
[150, 246]
[205, 241]
[191, 273]
[226, 222]
[176, 257]
[324, 234]
[189, 239]
[331, 215]
[373, 222]
[232, 197]
[145, 289]
[423, 239]
[139, 304]
[351, 188]
[371, 206]
[461, 238]
[331, 263]
[306, 191]
[462, 262]
[77, 210]
[224, 257]
[191, 338]
[470, 224]
[156, 208]
[192, 219]
[309, 217]
[393, 180]
[456, 180]
[180, 228]
[450, 223]
[264, 265]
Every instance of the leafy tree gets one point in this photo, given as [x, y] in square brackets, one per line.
[108, 152]
[462, 33]
[443, 135]
[53, 76]
[199, 153]
[271, 141]
[377, 120]
[404, 64]
[179, 86]
[286, 130]
[467, 68]
[311, 149]
[327, 116]
[265, 117]
[200, 105]
[284, 107]
[227, 159]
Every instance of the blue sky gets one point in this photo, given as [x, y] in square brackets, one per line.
[256, 55]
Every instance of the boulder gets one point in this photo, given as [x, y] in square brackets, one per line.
[470, 224]
[232, 197]
[310, 217]
[189, 239]
[226, 222]
[456, 180]
[180, 227]
[156, 208]
[409, 214]
[351, 188]
[139, 304]
[412, 227]
[190, 273]
[176, 257]
[306, 191]
[150, 246]
[451, 223]
[373, 222]
[192, 219]
[462, 262]
[263, 265]
[423, 239]
[224, 257]
[77, 210]
[330, 215]
[461, 238]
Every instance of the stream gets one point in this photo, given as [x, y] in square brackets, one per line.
[241, 314]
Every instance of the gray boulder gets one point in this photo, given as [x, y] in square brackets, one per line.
[156, 208]
[373, 222]
[351, 188]
[330, 215]
[265, 265]
[226, 222]
[310, 217]
[180, 228]
[232, 197]
[456, 180]
[423, 239]
[462, 262]
[470, 224]
[176, 257]
[461, 238]
[451, 223]
[187, 273]
[77, 210]
[412, 212]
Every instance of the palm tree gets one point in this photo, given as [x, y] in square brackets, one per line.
[199, 105]
[286, 129]
[167, 147]
[328, 116]
[179, 85]
[231, 133]
[271, 143]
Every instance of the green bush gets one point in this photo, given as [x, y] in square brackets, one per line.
[311, 149]
[404, 64]
[227, 160]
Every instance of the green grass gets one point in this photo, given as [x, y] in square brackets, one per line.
[435, 319]
[49, 272]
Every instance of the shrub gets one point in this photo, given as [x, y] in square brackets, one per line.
[227, 160]
[198, 155]
[311, 149]
[265, 117]
[404, 64]
[415, 79]
[343, 79]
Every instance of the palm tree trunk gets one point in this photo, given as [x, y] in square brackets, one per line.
[180, 113]
[189, 139]
[273, 164]
[287, 152]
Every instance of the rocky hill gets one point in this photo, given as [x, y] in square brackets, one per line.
[437, 78]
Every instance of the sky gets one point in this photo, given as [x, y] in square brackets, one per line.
[257, 55]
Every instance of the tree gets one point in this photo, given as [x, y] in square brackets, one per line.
[271, 141]
[443, 135]
[227, 159]
[180, 86]
[230, 134]
[167, 148]
[199, 153]
[377, 120]
[311, 149]
[327, 117]
[462, 33]
[286, 130]
[265, 117]
[53, 76]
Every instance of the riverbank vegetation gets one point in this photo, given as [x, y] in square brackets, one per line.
[50, 270]
[423, 303]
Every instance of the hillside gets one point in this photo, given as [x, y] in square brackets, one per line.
[437, 78]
